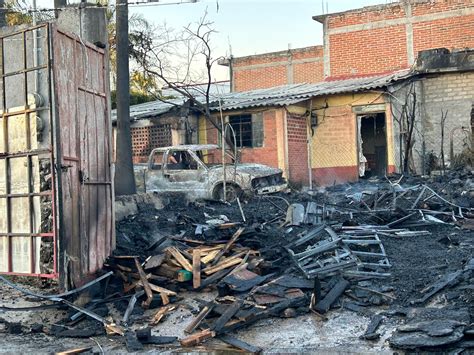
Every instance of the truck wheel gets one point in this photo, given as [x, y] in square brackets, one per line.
[232, 192]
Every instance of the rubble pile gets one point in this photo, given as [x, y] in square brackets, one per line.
[398, 251]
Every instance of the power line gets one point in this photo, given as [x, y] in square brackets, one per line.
[109, 6]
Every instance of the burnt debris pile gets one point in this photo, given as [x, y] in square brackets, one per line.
[396, 250]
[399, 244]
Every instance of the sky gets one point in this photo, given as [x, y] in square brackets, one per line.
[247, 27]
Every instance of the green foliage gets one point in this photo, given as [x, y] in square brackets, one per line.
[135, 98]
[15, 16]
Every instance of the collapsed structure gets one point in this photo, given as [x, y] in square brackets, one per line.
[396, 254]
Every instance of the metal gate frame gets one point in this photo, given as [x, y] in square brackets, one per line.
[28, 153]
[79, 152]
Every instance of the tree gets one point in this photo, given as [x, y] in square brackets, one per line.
[140, 32]
[17, 14]
[181, 59]
[407, 121]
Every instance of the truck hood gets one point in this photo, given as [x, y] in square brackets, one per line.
[254, 170]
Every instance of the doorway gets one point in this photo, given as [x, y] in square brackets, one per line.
[372, 144]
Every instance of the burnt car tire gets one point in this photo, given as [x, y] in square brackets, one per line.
[232, 192]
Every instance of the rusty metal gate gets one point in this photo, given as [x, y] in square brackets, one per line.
[84, 129]
[56, 196]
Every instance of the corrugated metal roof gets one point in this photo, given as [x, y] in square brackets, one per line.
[150, 109]
[291, 94]
[276, 96]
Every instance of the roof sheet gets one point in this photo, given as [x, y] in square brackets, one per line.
[276, 96]
[291, 94]
[150, 109]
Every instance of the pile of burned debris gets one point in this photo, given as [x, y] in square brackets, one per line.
[398, 251]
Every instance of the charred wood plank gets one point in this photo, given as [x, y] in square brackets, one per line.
[199, 318]
[331, 297]
[158, 340]
[228, 314]
[132, 342]
[233, 260]
[228, 245]
[197, 338]
[214, 278]
[196, 268]
[160, 314]
[248, 348]
[145, 284]
[74, 351]
[447, 280]
[371, 332]
[180, 258]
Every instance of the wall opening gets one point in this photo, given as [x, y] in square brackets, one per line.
[372, 141]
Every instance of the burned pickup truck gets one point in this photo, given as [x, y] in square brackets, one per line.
[185, 168]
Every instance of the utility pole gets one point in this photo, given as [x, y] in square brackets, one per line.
[3, 13]
[124, 176]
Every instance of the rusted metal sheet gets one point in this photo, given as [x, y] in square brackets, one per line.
[83, 120]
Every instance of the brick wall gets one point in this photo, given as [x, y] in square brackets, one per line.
[297, 149]
[278, 68]
[267, 154]
[144, 139]
[451, 92]
[259, 78]
[334, 154]
[384, 38]
[444, 33]
[361, 52]
[370, 40]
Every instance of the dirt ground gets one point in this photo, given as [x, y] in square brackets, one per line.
[339, 334]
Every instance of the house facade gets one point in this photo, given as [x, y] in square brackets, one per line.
[338, 112]
[342, 130]
[318, 134]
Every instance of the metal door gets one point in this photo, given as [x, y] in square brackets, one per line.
[85, 156]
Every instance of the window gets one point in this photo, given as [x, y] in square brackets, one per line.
[248, 130]
[157, 162]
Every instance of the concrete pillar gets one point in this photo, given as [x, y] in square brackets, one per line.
[409, 32]
[326, 49]
[289, 67]
[89, 23]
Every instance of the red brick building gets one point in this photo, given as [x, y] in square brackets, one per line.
[366, 41]
[301, 65]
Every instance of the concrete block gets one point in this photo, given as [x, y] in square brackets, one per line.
[126, 206]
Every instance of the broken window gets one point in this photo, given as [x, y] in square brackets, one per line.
[248, 130]
[157, 161]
